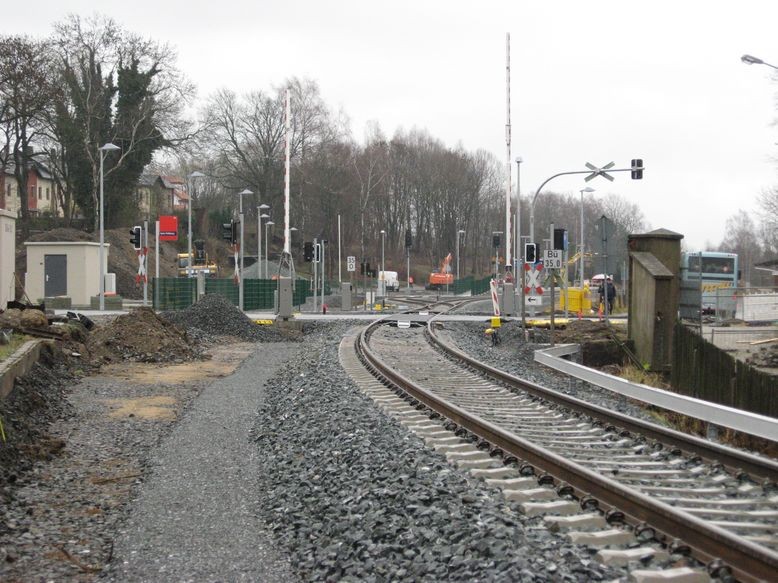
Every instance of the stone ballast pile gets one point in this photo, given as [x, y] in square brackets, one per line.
[353, 495]
[214, 316]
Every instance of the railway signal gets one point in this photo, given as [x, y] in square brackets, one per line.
[136, 238]
[530, 253]
[230, 231]
[637, 169]
[308, 251]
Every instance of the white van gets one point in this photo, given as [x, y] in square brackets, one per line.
[391, 283]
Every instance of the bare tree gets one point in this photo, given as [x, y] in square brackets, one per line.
[25, 92]
[119, 88]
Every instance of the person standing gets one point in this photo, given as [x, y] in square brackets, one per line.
[610, 290]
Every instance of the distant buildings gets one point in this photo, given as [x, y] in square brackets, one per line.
[156, 194]
[41, 191]
[161, 195]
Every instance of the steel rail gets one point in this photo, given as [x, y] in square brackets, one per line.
[731, 458]
[748, 561]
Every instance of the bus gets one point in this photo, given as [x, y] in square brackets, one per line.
[719, 273]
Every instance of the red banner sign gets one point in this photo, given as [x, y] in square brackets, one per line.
[168, 228]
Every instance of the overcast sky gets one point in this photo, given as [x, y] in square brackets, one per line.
[591, 82]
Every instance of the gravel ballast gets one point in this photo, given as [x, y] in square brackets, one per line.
[517, 357]
[352, 495]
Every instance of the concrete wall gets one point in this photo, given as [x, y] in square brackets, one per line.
[7, 256]
[83, 271]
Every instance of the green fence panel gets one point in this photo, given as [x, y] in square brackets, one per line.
[223, 287]
[259, 294]
[173, 293]
[463, 285]
[480, 286]
[302, 290]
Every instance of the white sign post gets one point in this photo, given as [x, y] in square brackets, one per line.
[351, 263]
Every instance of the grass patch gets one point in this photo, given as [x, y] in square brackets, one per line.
[7, 350]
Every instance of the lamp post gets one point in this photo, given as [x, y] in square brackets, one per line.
[518, 252]
[383, 264]
[192, 177]
[459, 232]
[581, 246]
[260, 215]
[267, 249]
[103, 149]
[240, 216]
[751, 60]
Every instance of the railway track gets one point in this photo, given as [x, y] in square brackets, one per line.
[559, 455]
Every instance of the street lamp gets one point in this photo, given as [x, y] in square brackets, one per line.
[192, 177]
[260, 215]
[383, 264]
[459, 232]
[267, 249]
[518, 252]
[751, 60]
[240, 217]
[103, 150]
[581, 246]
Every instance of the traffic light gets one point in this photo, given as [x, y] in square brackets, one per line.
[308, 251]
[530, 253]
[230, 232]
[408, 239]
[637, 169]
[495, 241]
[136, 237]
[560, 239]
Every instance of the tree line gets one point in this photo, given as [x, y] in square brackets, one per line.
[91, 82]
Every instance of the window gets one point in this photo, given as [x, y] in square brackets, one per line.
[47, 193]
[40, 192]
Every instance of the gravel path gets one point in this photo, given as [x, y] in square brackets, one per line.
[195, 517]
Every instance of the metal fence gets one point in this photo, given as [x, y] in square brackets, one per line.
[749, 304]
[177, 293]
[173, 293]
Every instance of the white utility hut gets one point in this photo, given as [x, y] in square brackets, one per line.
[65, 269]
[7, 256]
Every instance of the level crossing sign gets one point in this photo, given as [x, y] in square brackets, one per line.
[351, 263]
[532, 274]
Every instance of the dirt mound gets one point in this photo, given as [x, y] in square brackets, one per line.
[141, 336]
[214, 315]
[38, 398]
[580, 331]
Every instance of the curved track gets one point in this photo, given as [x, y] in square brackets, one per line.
[645, 473]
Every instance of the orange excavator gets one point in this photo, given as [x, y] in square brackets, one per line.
[441, 277]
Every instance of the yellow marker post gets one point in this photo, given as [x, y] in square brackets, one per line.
[496, 322]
